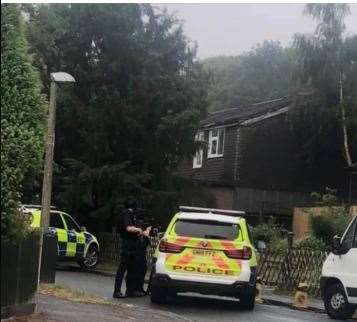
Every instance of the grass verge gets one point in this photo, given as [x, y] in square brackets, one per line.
[67, 293]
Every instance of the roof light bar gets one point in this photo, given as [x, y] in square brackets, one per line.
[37, 206]
[212, 210]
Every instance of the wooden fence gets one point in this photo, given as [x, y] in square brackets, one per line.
[279, 269]
[110, 247]
[287, 269]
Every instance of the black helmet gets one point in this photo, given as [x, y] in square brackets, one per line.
[131, 202]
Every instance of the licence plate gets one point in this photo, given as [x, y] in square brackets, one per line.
[204, 252]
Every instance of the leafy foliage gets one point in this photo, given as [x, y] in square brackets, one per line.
[133, 113]
[329, 198]
[271, 233]
[261, 74]
[312, 242]
[326, 65]
[22, 116]
[332, 221]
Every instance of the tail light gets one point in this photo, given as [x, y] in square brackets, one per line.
[244, 253]
[166, 247]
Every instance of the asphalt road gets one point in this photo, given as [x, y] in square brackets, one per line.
[189, 307]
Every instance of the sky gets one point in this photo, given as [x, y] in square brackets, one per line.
[231, 29]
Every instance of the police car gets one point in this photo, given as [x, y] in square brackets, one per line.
[207, 251]
[339, 275]
[73, 242]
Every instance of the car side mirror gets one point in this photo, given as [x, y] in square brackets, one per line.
[83, 229]
[336, 245]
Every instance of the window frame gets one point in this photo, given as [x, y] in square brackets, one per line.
[354, 241]
[211, 139]
[65, 216]
[199, 137]
[352, 226]
[62, 219]
[238, 238]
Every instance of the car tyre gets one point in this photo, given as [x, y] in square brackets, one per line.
[336, 303]
[247, 301]
[158, 294]
[91, 260]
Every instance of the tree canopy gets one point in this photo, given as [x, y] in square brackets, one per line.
[133, 113]
[22, 119]
[327, 66]
[261, 74]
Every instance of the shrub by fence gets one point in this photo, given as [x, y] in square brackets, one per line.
[283, 269]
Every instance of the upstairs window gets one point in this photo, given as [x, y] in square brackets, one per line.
[216, 143]
[197, 159]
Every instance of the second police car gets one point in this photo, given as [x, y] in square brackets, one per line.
[73, 242]
[207, 251]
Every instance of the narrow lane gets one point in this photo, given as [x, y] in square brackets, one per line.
[190, 307]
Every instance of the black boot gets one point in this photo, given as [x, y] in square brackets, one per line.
[118, 295]
[135, 294]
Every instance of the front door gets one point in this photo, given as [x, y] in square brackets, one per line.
[76, 238]
[58, 229]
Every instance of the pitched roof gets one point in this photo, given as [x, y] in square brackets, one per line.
[243, 113]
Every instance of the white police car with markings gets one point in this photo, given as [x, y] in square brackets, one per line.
[74, 243]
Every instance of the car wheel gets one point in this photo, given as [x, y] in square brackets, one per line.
[247, 300]
[336, 303]
[158, 294]
[90, 261]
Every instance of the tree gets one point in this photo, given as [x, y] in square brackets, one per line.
[133, 113]
[22, 119]
[327, 65]
[261, 74]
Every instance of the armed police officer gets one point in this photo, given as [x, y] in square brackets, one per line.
[133, 257]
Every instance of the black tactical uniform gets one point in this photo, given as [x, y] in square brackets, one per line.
[141, 268]
[131, 256]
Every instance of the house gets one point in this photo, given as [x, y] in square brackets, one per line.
[248, 160]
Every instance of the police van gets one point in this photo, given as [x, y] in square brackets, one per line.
[74, 243]
[339, 275]
[207, 251]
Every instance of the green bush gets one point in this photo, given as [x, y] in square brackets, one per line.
[332, 221]
[313, 243]
[279, 244]
[22, 119]
[266, 231]
[271, 233]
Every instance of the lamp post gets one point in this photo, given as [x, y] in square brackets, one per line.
[58, 77]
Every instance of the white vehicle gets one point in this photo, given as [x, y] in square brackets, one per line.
[207, 251]
[339, 275]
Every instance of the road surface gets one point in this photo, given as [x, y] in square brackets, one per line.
[189, 308]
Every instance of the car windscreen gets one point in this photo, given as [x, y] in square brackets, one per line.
[208, 229]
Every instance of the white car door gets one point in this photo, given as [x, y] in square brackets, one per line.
[346, 264]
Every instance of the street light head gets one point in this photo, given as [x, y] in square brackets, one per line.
[61, 77]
